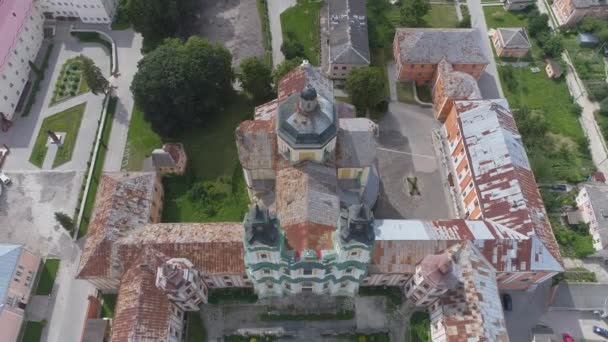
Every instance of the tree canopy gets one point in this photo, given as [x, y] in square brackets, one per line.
[93, 76]
[64, 220]
[256, 78]
[366, 87]
[291, 47]
[180, 84]
[160, 19]
[413, 11]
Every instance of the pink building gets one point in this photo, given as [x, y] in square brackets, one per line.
[18, 269]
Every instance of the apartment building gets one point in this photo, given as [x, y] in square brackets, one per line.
[21, 37]
[592, 203]
[88, 11]
[570, 12]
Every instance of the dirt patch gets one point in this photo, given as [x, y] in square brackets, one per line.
[233, 23]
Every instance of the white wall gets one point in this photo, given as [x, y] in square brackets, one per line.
[89, 11]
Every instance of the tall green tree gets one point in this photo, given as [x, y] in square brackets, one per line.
[256, 78]
[552, 44]
[291, 47]
[366, 88]
[284, 68]
[160, 19]
[183, 84]
[413, 11]
[65, 221]
[93, 76]
[537, 23]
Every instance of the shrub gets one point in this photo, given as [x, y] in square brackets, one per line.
[598, 92]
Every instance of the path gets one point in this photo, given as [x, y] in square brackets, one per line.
[275, 8]
[489, 83]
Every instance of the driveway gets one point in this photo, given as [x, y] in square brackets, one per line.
[235, 24]
[528, 307]
[576, 323]
[275, 8]
[489, 82]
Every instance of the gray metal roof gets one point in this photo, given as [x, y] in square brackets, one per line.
[429, 46]
[348, 42]
[9, 257]
[515, 37]
[589, 3]
[587, 38]
[162, 158]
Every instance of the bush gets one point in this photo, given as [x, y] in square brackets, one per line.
[598, 92]
[292, 48]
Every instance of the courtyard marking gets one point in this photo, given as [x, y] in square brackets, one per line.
[408, 153]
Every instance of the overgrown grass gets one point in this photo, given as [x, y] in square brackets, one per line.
[302, 20]
[232, 295]
[141, 140]
[589, 64]
[98, 168]
[338, 316]
[68, 122]
[47, 277]
[196, 328]
[440, 16]
[420, 327]
[32, 331]
[574, 240]
[121, 19]
[377, 337]
[266, 35]
[108, 305]
[497, 16]
[393, 294]
[238, 338]
[577, 275]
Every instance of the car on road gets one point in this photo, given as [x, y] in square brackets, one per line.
[507, 302]
[5, 179]
[567, 338]
[600, 331]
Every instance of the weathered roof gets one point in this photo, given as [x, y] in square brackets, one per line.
[213, 248]
[507, 190]
[429, 46]
[301, 76]
[142, 310]
[589, 3]
[356, 144]
[168, 156]
[348, 42]
[13, 17]
[457, 84]
[598, 197]
[9, 258]
[256, 143]
[123, 204]
[438, 270]
[557, 69]
[308, 205]
[514, 37]
[473, 310]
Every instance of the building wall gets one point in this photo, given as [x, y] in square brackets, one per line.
[24, 275]
[177, 325]
[16, 68]
[220, 281]
[568, 15]
[438, 331]
[583, 203]
[295, 155]
[341, 71]
[424, 73]
[89, 11]
[521, 280]
[10, 325]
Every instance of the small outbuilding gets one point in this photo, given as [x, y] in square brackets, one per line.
[587, 40]
[170, 159]
[553, 69]
[511, 42]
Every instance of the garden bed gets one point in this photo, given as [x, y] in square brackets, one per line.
[70, 82]
[47, 277]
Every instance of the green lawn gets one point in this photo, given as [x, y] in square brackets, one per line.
[67, 122]
[560, 151]
[589, 64]
[496, 16]
[98, 170]
[70, 82]
[302, 20]
[32, 332]
[108, 305]
[420, 327]
[141, 140]
[440, 16]
[196, 329]
[47, 277]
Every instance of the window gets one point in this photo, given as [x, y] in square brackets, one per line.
[210, 284]
[264, 256]
[287, 286]
[226, 278]
[285, 270]
[245, 277]
[425, 285]
[343, 68]
[355, 253]
[270, 285]
[266, 271]
[228, 283]
[349, 270]
[344, 284]
[325, 286]
[307, 272]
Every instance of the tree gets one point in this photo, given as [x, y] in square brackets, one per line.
[93, 76]
[284, 68]
[604, 106]
[537, 23]
[552, 45]
[413, 11]
[183, 84]
[603, 35]
[256, 78]
[160, 19]
[291, 47]
[65, 221]
[366, 87]
[590, 24]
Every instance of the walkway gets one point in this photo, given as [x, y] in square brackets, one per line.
[489, 83]
[275, 8]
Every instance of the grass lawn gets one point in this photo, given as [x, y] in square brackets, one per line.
[98, 170]
[108, 304]
[496, 16]
[405, 92]
[440, 16]
[32, 332]
[47, 277]
[67, 122]
[420, 327]
[70, 82]
[589, 64]
[141, 140]
[302, 20]
[196, 329]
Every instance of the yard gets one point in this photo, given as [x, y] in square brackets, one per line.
[440, 16]
[496, 16]
[590, 66]
[213, 188]
[70, 82]
[67, 122]
[32, 331]
[47, 277]
[108, 305]
[420, 327]
[302, 20]
[196, 329]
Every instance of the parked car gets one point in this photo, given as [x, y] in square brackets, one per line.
[4, 178]
[567, 338]
[600, 331]
[507, 302]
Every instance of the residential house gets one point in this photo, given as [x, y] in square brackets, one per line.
[512, 42]
[347, 41]
[517, 5]
[418, 51]
[592, 203]
[18, 269]
[570, 12]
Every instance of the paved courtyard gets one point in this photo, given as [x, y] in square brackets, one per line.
[235, 24]
[22, 136]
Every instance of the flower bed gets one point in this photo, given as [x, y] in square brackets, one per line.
[70, 82]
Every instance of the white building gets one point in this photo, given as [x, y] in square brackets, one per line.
[21, 35]
[592, 203]
[89, 11]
